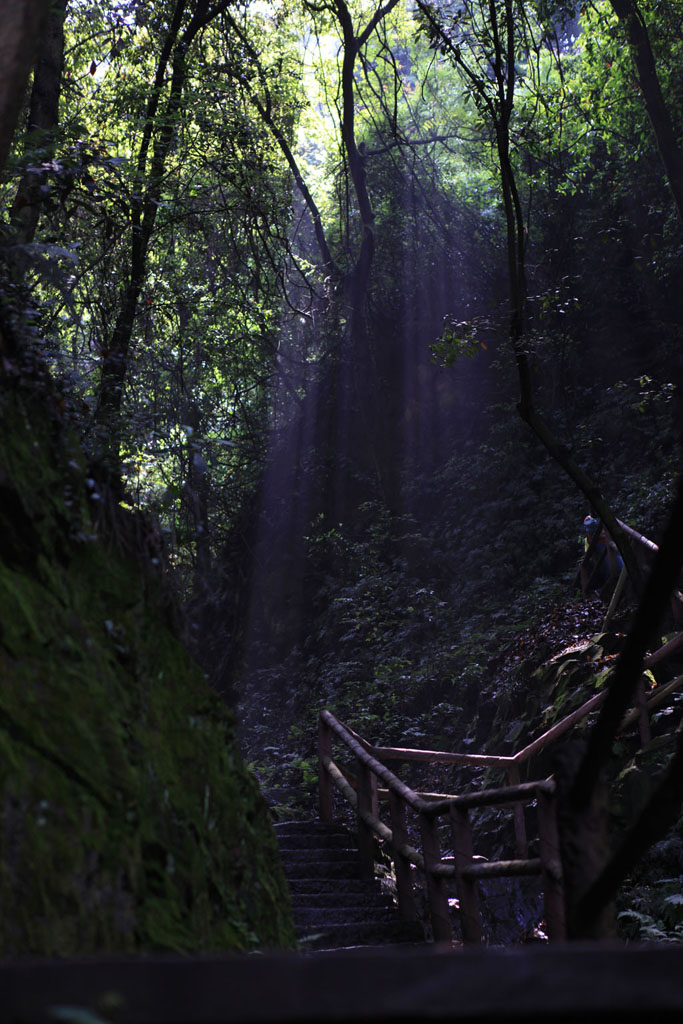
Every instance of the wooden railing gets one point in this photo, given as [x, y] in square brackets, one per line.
[511, 764]
[464, 868]
[364, 795]
[644, 550]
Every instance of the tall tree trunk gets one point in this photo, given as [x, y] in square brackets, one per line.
[359, 279]
[631, 17]
[143, 214]
[144, 209]
[504, 68]
[22, 25]
[22, 28]
[43, 118]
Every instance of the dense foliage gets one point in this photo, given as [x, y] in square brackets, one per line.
[297, 267]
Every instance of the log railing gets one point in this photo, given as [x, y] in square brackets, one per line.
[644, 550]
[365, 795]
[464, 868]
[512, 764]
[371, 769]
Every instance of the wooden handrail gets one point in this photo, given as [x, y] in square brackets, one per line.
[465, 869]
[429, 807]
[441, 757]
[492, 760]
[559, 729]
[369, 756]
[485, 869]
[655, 700]
[639, 538]
[501, 797]
[339, 780]
[670, 647]
[381, 771]
[549, 736]
[503, 868]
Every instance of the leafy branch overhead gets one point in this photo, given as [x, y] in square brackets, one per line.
[459, 339]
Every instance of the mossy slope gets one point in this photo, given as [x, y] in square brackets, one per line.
[128, 821]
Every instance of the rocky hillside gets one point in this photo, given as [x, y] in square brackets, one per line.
[128, 820]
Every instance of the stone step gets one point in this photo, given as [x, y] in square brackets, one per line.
[325, 854]
[315, 841]
[330, 885]
[333, 907]
[320, 917]
[370, 899]
[346, 869]
[344, 935]
[314, 827]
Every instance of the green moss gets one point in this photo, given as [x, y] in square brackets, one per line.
[128, 821]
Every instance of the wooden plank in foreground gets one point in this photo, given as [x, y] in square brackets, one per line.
[562, 983]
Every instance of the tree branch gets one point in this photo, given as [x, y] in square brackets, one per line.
[278, 135]
[378, 16]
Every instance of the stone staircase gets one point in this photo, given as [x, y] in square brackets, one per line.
[333, 907]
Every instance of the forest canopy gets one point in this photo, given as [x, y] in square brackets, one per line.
[250, 237]
[207, 199]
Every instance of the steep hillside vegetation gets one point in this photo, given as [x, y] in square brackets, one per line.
[128, 819]
[409, 614]
[458, 624]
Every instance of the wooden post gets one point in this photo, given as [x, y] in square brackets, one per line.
[374, 795]
[325, 790]
[643, 715]
[436, 887]
[467, 887]
[551, 867]
[521, 843]
[677, 607]
[616, 597]
[366, 837]
[402, 868]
